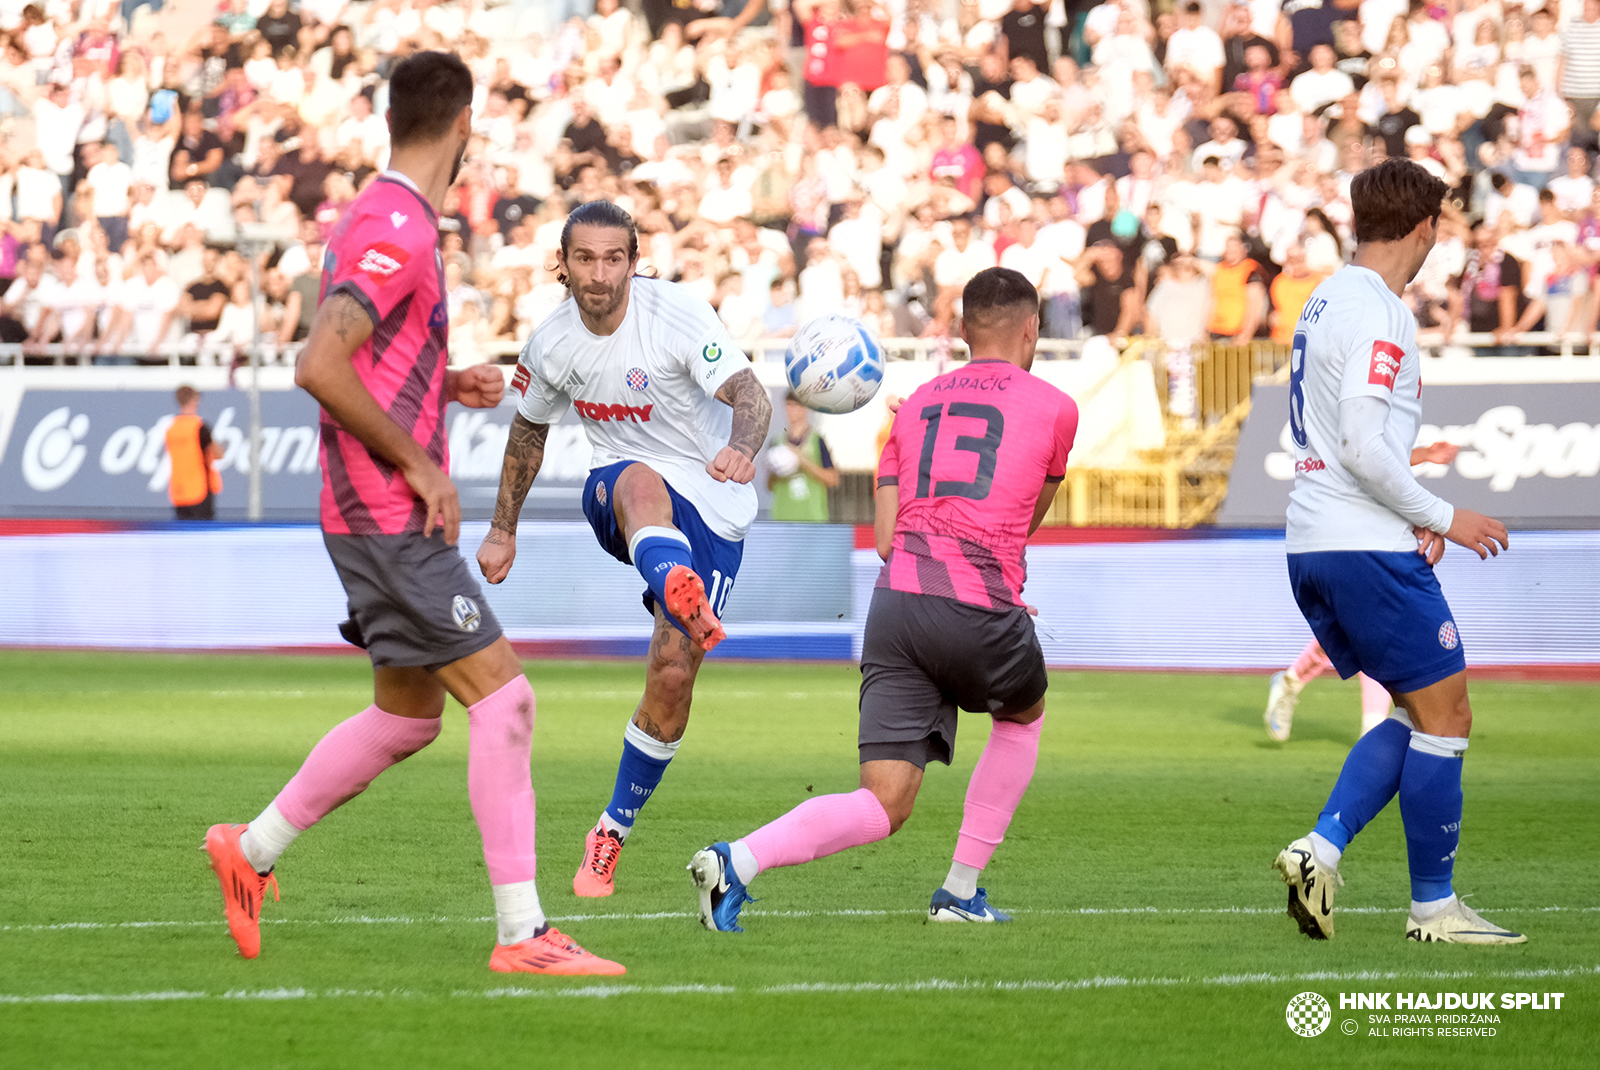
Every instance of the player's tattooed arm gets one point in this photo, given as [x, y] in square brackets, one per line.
[524, 455]
[752, 418]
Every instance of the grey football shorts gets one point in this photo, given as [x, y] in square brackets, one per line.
[413, 600]
[923, 656]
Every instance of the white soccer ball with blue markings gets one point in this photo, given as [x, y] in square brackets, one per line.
[834, 364]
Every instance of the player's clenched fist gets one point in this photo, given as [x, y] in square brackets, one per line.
[731, 465]
[479, 387]
[495, 555]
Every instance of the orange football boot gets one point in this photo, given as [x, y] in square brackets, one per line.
[243, 889]
[686, 601]
[553, 953]
[597, 876]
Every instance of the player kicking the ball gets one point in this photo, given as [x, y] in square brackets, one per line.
[376, 362]
[1363, 537]
[970, 469]
[675, 415]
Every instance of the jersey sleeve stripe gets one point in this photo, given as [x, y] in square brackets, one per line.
[355, 291]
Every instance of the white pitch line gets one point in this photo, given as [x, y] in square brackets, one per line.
[809, 988]
[667, 915]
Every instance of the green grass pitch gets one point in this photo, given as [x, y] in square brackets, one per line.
[1149, 928]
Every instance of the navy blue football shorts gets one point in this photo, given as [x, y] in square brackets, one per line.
[714, 559]
[1378, 613]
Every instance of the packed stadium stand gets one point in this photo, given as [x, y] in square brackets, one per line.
[1174, 178]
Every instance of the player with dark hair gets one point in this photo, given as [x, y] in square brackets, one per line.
[970, 469]
[675, 415]
[377, 363]
[1363, 537]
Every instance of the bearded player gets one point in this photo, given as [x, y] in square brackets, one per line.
[675, 415]
[1363, 537]
[376, 362]
[970, 469]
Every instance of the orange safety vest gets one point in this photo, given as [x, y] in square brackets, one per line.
[1230, 286]
[1289, 297]
[193, 477]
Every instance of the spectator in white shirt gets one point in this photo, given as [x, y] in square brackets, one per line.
[110, 180]
[1197, 46]
[71, 305]
[858, 237]
[1573, 189]
[365, 128]
[1522, 201]
[1003, 193]
[912, 98]
[39, 193]
[147, 305]
[1225, 144]
[725, 199]
[59, 120]
[1322, 84]
[22, 309]
[521, 253]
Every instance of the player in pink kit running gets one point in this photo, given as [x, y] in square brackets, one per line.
[376, 362]
[969, 471]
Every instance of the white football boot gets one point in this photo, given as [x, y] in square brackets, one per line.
[1459, 924]
[1311, 888]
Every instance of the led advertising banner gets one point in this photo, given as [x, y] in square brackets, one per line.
[1530, 454]
[102, 453]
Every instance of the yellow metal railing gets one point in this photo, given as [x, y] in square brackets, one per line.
[1185, 483]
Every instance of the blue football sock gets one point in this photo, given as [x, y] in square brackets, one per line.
[1430, 806]
[1369, 779]
[644, 761]
[655, 551]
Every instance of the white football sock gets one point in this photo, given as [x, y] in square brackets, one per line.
[1421, 911]
[608, 823]
[962, 881]
[1325, 851]
[267, 837]
[745, 866]
[517, 910]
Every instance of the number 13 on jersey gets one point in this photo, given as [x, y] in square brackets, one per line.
[986, 446]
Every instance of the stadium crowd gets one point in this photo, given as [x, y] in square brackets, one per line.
[1182, 171]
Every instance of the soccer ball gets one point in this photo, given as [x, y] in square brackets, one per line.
[834, 364]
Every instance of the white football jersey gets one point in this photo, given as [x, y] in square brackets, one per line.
[1354, 338]
[646, 392]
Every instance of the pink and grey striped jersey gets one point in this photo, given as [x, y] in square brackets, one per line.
[970, 452]
[384, 253]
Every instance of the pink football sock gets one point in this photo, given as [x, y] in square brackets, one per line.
[499, 785]
[347, 759]
[1002, 775]
[1311, 663]
[820, 827]
[1375, 703]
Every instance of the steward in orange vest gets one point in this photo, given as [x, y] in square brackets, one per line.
[195, 482]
